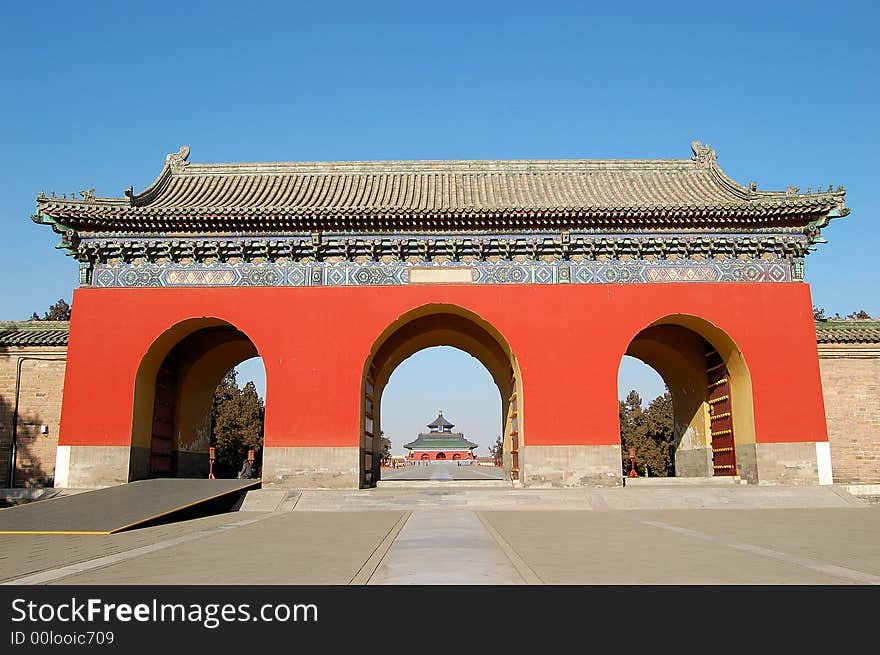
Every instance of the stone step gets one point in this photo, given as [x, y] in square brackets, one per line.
[263, 500]
[684, 482]
[638, 497]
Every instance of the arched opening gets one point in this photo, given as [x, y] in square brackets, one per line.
[460, 385]
[237, 421]
[427, 327]
[708, 380]
[646, 421]
[425, 457]
[175, 393]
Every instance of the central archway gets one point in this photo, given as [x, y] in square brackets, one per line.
[426, 327]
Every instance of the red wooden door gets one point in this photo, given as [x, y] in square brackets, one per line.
[163, 423]
[720, 415]
[370, 444]
[514, 429]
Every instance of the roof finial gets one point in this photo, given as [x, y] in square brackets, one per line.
[704, 156]
[176, 161]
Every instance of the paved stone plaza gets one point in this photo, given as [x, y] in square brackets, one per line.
[697, 535]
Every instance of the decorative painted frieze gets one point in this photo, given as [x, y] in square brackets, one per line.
[346, 273]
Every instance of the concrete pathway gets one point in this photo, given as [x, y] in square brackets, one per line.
[440, 473]
[440, 547]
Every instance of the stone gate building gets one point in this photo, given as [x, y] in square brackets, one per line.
[334, 273]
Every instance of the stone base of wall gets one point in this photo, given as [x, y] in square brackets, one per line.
[311, 467]
[543, 466]
[572, 466]
[139, 466]
[747, 462]
[693, 462]
[89, 467]
[789, 463]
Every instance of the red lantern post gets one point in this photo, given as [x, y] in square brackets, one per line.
[211, 459]
[250, 459]
[632, 459]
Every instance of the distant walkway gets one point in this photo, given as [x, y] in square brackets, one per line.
[443, 471]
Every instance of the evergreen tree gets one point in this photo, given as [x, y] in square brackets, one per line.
[650, 432]
[661, 430]
[384, 447]
[496, 450]
[236, 425]
[60, 311]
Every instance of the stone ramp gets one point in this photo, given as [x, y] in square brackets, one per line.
[136, 504]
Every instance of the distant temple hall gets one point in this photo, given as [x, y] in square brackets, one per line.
[441, 443]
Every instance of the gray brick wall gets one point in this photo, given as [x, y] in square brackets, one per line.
[39, 404]
[851, 386]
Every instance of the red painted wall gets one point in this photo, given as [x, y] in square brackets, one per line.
[569, 340]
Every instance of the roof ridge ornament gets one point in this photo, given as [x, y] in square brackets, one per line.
[704, 156]
[177, 161]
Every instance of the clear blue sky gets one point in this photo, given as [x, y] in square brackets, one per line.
[95, 94]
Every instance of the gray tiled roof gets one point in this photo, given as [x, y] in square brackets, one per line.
[34, 333]
[848, 331]
[435, 195]
[440, 422]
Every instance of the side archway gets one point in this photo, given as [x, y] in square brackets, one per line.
[440, 325]
[709, 381]
[173, 396]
